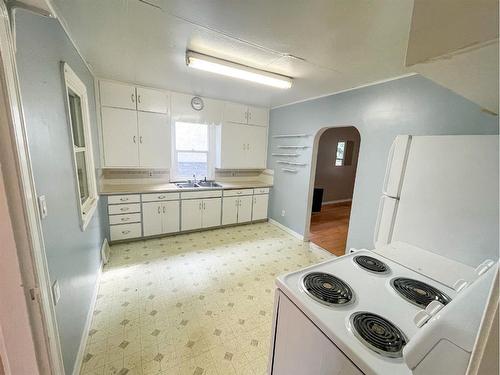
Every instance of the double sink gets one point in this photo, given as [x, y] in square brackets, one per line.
[199, 184]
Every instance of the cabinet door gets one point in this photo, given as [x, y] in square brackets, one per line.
[235, 113]
[232, 146]
[258, 116]
[171, 213]
[154, 140]
[120, 138]
[211, 212]
[256, 150]
[259, 211]
[152, 215]
[151, 100]
[191, 210]
[230, 210]
[245, 209]
[119, 95]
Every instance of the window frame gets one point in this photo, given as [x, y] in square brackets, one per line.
[342, 160]
[174, 173]
[74, 83]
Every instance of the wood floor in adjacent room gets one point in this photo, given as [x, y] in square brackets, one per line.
[329, 227]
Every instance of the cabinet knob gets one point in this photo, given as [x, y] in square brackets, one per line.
[125, 219]
[161, 196]
[125, 231]
[132, 97]
[133, 138]
[140, 139]
[164, 210]
[138, 99]
[124, 209]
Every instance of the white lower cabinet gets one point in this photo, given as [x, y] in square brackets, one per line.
[200, 213]
[260, 203]
[160, 217]
[236, 210]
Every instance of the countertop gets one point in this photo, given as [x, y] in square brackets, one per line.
[136, 188]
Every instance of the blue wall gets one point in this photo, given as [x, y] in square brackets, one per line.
[411, 105]
[73, 255]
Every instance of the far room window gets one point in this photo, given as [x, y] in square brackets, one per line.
[192, 151]
[79, 124]
[339, 160]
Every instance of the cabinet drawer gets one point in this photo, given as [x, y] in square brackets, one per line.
[232, 193]
[124, 231]
[128, 198]
[261, 191]
[114, 209]
[160, 197]
[201, 194]
[124, 219]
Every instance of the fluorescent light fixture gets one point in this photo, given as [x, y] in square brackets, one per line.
[227, 68]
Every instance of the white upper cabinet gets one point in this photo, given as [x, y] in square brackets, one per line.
[154, 140]
[151, 100]
[243, 114]
[207, 111]
[120, 137]
[258, 116]
[118, 95]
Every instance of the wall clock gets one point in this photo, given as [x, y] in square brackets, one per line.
[197, 103]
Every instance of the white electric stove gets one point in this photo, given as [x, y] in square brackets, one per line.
[356, 314]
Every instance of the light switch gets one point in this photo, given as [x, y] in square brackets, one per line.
[56, 292]
[282, 212]
[42, 204]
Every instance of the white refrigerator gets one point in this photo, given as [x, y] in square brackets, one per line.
[441, 194]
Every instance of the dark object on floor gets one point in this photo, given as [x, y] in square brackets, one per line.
[317, 199]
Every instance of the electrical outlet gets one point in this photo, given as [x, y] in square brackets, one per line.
[282, 212]
[42, 204]
[56, 292]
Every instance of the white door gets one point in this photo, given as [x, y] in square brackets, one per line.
[232, 146]
[245, 209]
[258, 116]
[191, 210]
[211, 212]
[171, 214]
[152, 215]
[120, 138]
[151, 100]
[235, 113]
[256, 147]
[119, 95]
[229, 210]
[259, 211]
[154, 140]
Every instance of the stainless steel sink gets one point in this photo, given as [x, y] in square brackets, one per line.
[208, 184]
[186, 185]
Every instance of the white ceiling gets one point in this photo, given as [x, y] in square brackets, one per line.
[326, 45]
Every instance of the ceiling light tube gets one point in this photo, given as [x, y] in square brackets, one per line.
[227, 68]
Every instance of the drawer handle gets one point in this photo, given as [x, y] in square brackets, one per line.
[124, 209]
[125, 219]
[161, 196]
[125, 231]
[238, 192]
[124, 199]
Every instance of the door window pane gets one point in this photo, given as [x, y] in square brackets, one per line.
[190, 136]
[189, 163]
[81, 170]
[75, 110]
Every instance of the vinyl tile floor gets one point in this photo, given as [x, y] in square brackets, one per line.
[199, 303]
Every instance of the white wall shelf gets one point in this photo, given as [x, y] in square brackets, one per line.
[285, 155]
[291, 163]
[288, 170]
[297, 147]
[290, 135]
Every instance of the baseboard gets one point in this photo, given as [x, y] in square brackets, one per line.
[337, 201]
[316, 248]
[85, 334]
[286, 229]
[105, 251]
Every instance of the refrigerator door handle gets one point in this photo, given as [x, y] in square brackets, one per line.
[379, 216]
[384, 226]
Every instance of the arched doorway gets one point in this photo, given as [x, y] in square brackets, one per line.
[334, 164]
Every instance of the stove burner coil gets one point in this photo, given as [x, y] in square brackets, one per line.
[327, 289]
[417, 292]
[378, 334]
[371, 264]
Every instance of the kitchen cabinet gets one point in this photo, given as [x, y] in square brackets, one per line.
[160, 217]
[182, 110]
[236, 209]
[242, 114]
[241, 146]
[117, 95]
[200, 213]
[135, 139]
[151, 100]
[154, 140]
[260, 203]
[120, 138]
